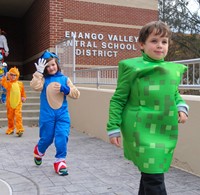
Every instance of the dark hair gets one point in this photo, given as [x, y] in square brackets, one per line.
[2, 31]
[47, 60]
[159, 27]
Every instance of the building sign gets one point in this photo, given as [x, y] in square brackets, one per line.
[101, 45]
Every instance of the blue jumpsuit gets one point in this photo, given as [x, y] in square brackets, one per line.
[54, 122]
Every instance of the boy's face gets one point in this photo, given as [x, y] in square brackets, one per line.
[52, 67]
[12, 76]
[156, 47]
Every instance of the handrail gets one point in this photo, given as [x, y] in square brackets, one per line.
[108, 75]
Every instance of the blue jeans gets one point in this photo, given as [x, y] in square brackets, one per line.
[3, 94]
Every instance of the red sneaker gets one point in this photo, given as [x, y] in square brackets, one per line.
[61, 168]
[37, 156]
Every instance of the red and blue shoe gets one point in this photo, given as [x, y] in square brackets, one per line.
[37, 156]
[61, 168]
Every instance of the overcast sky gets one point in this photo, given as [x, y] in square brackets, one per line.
[193, 5]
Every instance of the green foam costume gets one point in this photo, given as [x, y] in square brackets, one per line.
[145, 108]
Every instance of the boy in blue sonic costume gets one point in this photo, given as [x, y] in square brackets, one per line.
[54, 121]
[3, 71]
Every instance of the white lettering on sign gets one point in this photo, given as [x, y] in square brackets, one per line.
[121, 46]
[101, 45]
[98, 53]
[119, 38]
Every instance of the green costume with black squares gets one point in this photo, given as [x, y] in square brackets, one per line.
[145, 108]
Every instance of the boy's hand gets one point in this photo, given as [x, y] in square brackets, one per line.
[116, 141]
[182, 117]
[23, 99]
[7, 75]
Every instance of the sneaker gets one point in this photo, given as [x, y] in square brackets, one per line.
[37, 156]
[61, 168]
[19, 133]
[9, 131]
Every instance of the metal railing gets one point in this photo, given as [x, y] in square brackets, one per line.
[107, 76]
[65, 50]
[191, 79]
[97, 76]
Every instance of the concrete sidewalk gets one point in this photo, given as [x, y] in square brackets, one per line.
[95, 167]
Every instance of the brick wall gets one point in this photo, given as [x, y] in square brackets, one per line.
[89, 11]
[44, 28]
[119, 20]
[107, 20]
[111, 20]
[57, 13]
[46, 22]
[37, 33]
[36, 27]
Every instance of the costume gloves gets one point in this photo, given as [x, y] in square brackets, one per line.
[40, 66]
[65, 89]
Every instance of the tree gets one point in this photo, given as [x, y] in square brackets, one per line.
[185, 25]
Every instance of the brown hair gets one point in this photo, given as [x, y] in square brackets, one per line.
[2, 31]
[159, 27]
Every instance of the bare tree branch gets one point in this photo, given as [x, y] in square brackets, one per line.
[186, 26]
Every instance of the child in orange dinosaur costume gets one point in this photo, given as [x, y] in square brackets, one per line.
[15, 96]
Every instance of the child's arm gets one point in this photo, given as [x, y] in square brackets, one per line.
[118, 101]
[74, 92]
[37, 81]
[5, 82]
[183, 108]
[182, 117]
[5, 46]
[116, 141]
[68, 89]
[23, 93]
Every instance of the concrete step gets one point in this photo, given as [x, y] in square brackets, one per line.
[30, 114]
[30, 109]
[31, 106]
[31, 99]
[25, 113]
[26, 82]
[28, 88]
[27, 121]
[25, 106]
[30, 93]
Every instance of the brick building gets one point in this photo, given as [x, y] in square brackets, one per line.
[106, 30]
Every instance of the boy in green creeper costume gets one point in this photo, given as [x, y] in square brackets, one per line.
[146, 107]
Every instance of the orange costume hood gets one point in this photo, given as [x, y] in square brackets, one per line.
[14, 71]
